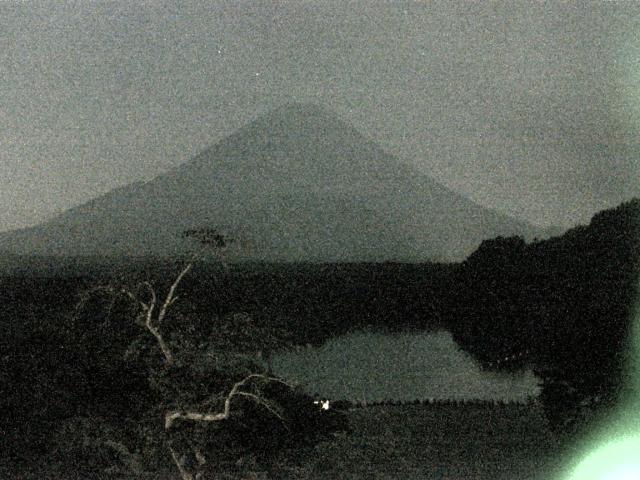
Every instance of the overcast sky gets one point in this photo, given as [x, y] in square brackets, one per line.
[529, 108]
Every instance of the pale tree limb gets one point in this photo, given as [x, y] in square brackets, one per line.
[235, 391]
[171, 417]
[152, 322]
[261, 401]
[147, 308]
[170, 296]
[166, 351]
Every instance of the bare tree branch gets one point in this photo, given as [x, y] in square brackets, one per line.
[153, 322]
[170, 296]
[268, 405]
[147, 308]
[171, 417]
[154, 329]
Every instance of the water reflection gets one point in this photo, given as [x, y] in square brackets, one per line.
[377, 367]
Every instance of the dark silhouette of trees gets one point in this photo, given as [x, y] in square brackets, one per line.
[562, 306]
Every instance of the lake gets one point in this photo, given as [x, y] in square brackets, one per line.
[376, 367]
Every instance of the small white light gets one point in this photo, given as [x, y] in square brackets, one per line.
[324, 404]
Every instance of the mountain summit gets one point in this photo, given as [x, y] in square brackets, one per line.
[298, 184]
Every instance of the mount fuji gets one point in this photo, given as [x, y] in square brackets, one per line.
[298, 184]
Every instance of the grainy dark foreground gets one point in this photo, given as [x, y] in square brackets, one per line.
[479, 442]
[439, 442]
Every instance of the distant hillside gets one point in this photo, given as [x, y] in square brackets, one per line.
[297, 184]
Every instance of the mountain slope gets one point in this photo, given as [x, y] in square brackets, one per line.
[297, 183]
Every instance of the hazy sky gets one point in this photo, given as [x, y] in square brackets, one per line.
[530, 108]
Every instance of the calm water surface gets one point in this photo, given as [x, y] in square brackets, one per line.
[377, 367]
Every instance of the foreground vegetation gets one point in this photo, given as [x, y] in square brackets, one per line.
[461, 442]
[96, 360]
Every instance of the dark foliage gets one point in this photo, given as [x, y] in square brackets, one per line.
[562, 306]
[89, 386]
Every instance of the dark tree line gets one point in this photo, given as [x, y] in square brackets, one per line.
[562, 306]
